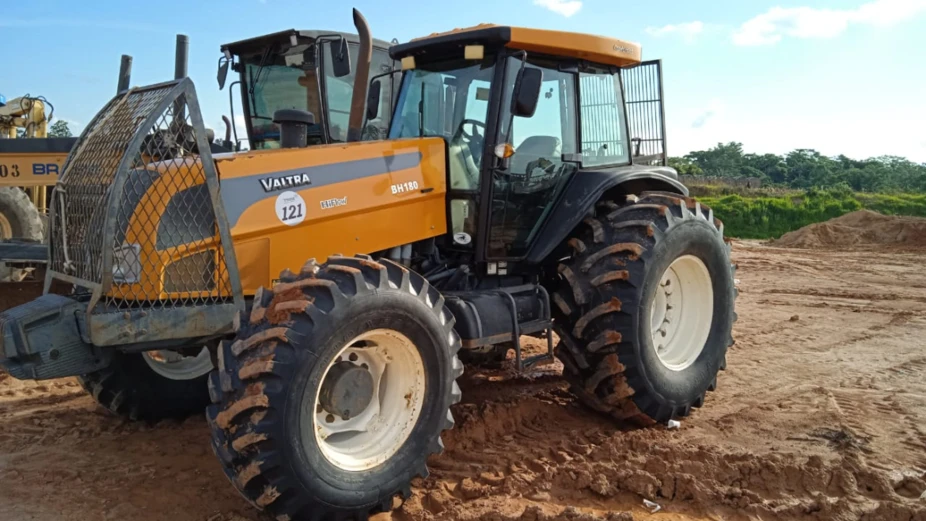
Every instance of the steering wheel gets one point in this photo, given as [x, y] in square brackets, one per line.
[474, 141]
[476, 124]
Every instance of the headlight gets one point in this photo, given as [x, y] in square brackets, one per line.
[126, 264]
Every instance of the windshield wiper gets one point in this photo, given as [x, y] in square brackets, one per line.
[260, 68]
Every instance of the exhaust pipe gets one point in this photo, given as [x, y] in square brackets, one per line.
[181, 61]
[125, 74]
[228, 131]
[361, 78]
[182, 56]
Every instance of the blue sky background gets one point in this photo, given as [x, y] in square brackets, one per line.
[841, 76]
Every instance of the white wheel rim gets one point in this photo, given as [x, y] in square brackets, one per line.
[6, 229]
[682, 311]
[175, 366]
[375, 434]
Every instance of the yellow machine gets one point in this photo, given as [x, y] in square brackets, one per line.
[29, 163]
[34, 163]
[321, 298]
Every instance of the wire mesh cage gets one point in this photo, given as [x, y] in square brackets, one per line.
[136, 213]
[643, 97]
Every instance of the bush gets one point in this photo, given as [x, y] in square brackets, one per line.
[772, 217]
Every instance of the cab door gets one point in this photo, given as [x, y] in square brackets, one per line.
[524, 193]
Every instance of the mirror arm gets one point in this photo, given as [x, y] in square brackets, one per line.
[231, 105]
[523, 56]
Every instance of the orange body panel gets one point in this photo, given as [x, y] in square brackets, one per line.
[372, 217]
[600, 49]
[349, 198]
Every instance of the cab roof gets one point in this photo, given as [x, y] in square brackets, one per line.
[599, 49]
[259, 43]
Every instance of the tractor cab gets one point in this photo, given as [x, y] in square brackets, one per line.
[522, 111]
[310, 71]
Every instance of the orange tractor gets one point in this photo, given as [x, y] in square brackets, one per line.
[322, 297]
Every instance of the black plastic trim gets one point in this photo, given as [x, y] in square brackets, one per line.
[435, 46]
[584, 190]
[49, 145]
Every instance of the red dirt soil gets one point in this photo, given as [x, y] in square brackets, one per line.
[821, 415]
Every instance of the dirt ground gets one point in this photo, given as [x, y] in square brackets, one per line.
[821, 414]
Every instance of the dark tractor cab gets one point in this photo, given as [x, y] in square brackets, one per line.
[310, 71]
[534, 140]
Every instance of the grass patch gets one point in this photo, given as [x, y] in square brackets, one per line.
[767, 216]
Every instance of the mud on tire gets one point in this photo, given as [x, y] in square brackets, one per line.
[19, 215]
[604, 304]
[261, 412]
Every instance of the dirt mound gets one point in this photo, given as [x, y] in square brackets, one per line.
[863, 228]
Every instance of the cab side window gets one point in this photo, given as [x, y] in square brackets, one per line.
[524, 195]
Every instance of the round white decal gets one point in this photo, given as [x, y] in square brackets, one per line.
[290, 208]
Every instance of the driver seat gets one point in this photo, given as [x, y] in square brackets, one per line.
[534, 148]
[464, 174]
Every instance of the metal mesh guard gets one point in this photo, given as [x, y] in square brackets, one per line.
[643, 97]
[135, 213]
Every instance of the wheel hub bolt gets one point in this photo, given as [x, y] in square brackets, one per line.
[347, 390]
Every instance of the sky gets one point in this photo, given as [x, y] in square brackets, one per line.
[839, 76]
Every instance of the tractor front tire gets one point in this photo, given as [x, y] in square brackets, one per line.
[139, 387]
[645, 307]
[335, 390]
[19, 219]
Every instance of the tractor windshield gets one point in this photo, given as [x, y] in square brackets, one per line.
[289, 81]
[454, 92]
[278, 87]
[339, 91]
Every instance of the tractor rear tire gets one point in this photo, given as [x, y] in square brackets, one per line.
[138, 389]
[645, 307]
[352, 331]
[19, 219]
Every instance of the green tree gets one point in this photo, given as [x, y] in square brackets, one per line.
[772, 165]
[724, 160]
[59, 129]
[685, 166]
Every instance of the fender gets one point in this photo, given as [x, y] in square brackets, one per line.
[586, 188]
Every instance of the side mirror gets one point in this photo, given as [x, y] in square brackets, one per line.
[526, 92]
[223, 71]
[340, 58]
[373, 99]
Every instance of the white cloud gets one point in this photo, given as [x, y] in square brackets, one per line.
[688, 31]
[566, 8]
[809, 22]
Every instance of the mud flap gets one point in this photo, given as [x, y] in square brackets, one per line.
[43, 340]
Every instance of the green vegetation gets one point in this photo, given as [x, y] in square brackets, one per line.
[770, 217]
[806, 168]
[801, 188]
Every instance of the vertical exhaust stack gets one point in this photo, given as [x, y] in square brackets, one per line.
[361, 78]
[181, 63]
[125, 74]
[182, 56]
